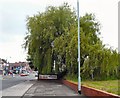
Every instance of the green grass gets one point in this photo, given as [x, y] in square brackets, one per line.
[110, 86]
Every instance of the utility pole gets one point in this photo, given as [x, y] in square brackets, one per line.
[79, 78]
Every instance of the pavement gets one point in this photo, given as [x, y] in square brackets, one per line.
[50, 88]
[7, 77]
[33, 88]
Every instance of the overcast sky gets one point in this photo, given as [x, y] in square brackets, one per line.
[13, 15]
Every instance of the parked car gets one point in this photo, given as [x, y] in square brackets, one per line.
[10, 73]
[36, 73]
[24, 73]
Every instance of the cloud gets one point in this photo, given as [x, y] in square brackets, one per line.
[13, 21]
[13, 49]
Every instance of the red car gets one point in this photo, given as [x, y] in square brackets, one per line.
[25, 73]
[10, 73]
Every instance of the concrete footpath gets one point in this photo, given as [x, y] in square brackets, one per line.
[33, 88]
[50, 88]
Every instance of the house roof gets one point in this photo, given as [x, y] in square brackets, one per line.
[18, 64]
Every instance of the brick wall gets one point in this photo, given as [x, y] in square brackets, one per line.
[88, 91]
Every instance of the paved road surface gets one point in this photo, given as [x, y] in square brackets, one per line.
[50, 88]
[10, 81]
[15, 86]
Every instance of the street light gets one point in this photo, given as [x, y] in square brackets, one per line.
[52, 45]
[79, 78]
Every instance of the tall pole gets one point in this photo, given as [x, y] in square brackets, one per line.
[79, 78]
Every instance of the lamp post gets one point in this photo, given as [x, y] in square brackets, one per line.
[52, 45]
[79, 78]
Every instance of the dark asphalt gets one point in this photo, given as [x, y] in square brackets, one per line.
[11, 81]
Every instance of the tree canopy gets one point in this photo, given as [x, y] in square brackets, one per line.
[52, 38]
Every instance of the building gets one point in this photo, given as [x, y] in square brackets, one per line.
[3, 66]
[17, 67]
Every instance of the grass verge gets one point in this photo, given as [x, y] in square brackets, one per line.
[111, 86]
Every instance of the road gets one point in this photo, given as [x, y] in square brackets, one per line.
[10, 81]
[40, 88]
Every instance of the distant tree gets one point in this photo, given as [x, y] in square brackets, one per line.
[5, 61]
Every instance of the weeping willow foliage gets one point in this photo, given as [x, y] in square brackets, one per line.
[52, 36]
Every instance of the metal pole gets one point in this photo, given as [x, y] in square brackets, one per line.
[79, 78]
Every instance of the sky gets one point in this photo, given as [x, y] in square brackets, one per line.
[13, 15]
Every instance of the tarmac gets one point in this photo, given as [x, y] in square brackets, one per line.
[17, 90]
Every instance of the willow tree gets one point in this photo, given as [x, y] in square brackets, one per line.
[52, 36]
[43, 29]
